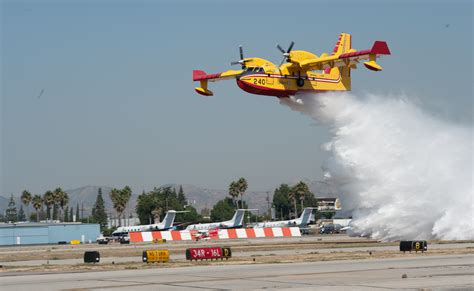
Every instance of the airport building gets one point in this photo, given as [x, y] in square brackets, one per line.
[47, 233]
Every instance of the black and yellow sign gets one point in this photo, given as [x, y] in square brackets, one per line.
[226, 252]
[415, 245]
[156, 256]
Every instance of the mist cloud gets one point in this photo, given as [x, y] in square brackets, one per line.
[402, 173]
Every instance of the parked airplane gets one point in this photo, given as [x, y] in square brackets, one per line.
[166, 224]
[303, 220]
[235, 222]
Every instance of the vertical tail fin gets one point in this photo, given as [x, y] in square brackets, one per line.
[306, 216]
[343, 45]
[169, 219]
[238, 217]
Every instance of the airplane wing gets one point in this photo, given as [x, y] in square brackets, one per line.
[348, 59]
[204, 78]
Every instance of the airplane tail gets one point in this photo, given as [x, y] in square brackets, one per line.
[169, 219]
[306, 216]
[238, 218]
[343, 45]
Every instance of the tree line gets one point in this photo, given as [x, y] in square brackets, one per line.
[152, 206]
[288, 202]
[56, 204]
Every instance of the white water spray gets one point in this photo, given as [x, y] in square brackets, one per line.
[401, 172]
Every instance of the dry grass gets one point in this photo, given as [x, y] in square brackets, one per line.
[263, 259]
[25, 253]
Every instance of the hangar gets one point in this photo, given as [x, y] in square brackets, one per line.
[47, 233]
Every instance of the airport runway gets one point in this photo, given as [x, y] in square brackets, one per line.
[434, 272]
[181, 255]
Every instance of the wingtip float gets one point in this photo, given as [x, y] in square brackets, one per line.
[298, 71]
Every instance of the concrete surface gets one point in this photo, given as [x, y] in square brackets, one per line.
[182, 256]
[433, 273]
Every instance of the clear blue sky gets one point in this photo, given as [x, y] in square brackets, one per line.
[119, 108]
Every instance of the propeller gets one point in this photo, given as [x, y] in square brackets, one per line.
[286, 54]
[242, 61]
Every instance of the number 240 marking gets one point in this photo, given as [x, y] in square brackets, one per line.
[260, 81]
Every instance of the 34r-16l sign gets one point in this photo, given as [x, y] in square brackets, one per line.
[208, 253]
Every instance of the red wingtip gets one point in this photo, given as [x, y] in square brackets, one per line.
[380, 48]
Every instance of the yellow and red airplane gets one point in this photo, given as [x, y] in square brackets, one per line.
[298, 71]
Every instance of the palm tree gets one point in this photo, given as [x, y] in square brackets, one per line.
[37, 202]
[242, 187]
[120, 199]
[115, 197]
[61, 199]
[63, 203]
[300, 190]
[234, 192]
[292, 195]
[48, 200]
[26, 200]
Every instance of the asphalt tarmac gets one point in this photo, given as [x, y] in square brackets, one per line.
[408, 273]
[270, 252]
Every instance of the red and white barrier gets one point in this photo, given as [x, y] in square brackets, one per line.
[149, 236]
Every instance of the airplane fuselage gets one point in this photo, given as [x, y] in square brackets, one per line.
[279, 223]
[282, 85]
[299, 71]
[208, 226]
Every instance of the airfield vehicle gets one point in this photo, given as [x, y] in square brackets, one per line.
[330, 229]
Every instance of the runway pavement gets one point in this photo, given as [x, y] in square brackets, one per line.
[181, 256]
[432, 272]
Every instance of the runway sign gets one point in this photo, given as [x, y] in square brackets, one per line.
[155, 256]
[208, 253]
[416, 245]
[91, 257]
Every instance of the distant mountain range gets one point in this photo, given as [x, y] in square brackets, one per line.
[197, 196]
[202, 197]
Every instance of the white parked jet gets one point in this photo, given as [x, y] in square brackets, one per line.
[236, 222]
[303, 220]
[166, 224]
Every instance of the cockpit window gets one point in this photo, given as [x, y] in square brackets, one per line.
[255, 69]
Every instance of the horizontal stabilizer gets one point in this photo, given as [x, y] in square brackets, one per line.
[201, 76]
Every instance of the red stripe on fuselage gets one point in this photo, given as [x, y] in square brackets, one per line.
[261, 90]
